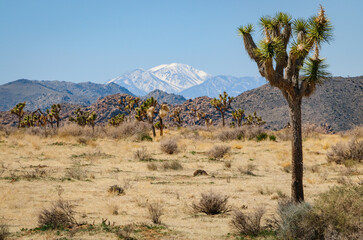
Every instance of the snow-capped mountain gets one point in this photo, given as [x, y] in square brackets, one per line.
[216, 85]
[184, 80]
[171, 78]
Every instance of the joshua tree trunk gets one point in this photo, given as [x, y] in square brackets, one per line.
[19, 121]
[57, 123]
[222, 118]
[161, 127]
[297, 189]
[153, 127]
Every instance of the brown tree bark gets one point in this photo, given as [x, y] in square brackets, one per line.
[222, 118]
[297, 188]
[161, 127]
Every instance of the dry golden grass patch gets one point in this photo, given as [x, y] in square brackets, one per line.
[107, 162]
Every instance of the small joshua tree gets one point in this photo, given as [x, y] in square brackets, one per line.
[163, 112]
[254, 120]
[91, 120]
[175, 116]
[238, 115]
[117, 120]
[222, 104]
[18, 110]
[193, 113]
[146, 112]
[282, 69]
[128, 104]
[54, 112]
[81, 117]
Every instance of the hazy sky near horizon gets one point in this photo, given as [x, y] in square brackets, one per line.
[94, 40]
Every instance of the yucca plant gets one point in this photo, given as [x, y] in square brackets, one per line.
[18, 110]
[175, 116]
[282, 69]
[146, 112]
[163, 112]
[117, 120]
[254, 120]
[222, 104]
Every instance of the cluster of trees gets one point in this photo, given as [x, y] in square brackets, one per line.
[37, 117]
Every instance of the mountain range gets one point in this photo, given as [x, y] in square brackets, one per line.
[42, 94]
[184, 80]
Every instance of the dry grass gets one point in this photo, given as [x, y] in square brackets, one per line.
[211, 204]
[218, 151]
[155, 212]
[342, 153]
[107, 161]
[248, 224]
[169, 146]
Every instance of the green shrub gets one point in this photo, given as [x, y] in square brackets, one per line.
[146, 137]
[261, 136]
[272, 138]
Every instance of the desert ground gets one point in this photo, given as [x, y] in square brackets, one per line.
[36, 171]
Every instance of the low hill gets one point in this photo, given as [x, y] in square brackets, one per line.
[42, 94]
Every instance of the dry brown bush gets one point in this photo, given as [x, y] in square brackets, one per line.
[4, 232]
[212, 203]
[59, 216]
[356, 132]
[152, 166]
[155, 212]
[142, 154]
[169, 146]
[248, 224]
[218, 151]
[174, 165]
[115, 189]
[76, 171]
[343, 153]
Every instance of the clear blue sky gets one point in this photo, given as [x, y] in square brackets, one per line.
[88, 40]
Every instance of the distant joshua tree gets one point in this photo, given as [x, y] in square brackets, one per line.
[117, 120]
[146, 111]
[18, 110]
[175, 116]
[282, 69]
[238, 115]
[128, 104]
[83, 118]
[254, 120]
[222, 104]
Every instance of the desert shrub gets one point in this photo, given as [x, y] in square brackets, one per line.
[126, 231]
[261, 136]
[4, 232]
[295, 221]
[340, 210]
[152, 166]
[284, 134]
[135, 129]
[251, 132]
[155, 212]
[71, 130]
[272, 138]
[115, 189]
[76, 171]
[335, 214]
[248, 169]
[200, 172]
[228, 164]
[174, 165]
[169, 146]
[218, 151]
[212, 203]
[356, 132]
[341, 153]
[146, 137]
[142, 154]
[248, 224]
[59, 216]
[230, 134]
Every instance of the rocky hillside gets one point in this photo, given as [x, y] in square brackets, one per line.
[42, 94]
[338, 102]
[164, 97]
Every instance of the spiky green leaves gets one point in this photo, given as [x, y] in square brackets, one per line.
[245, 29]
[314, 71]
[270, 49]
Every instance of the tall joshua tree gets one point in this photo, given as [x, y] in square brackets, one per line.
[282, 69]
[222, 104]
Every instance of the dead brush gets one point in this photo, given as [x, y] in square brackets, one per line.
[169, 146]
[142, 154]
[218, 151]
[4, 232]
[346, 153]
[174, 165]
[152, 166]
[248, 224]
[211, 204]
[76, 171]
[155, 211]
[59, 216]
[126, 231]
